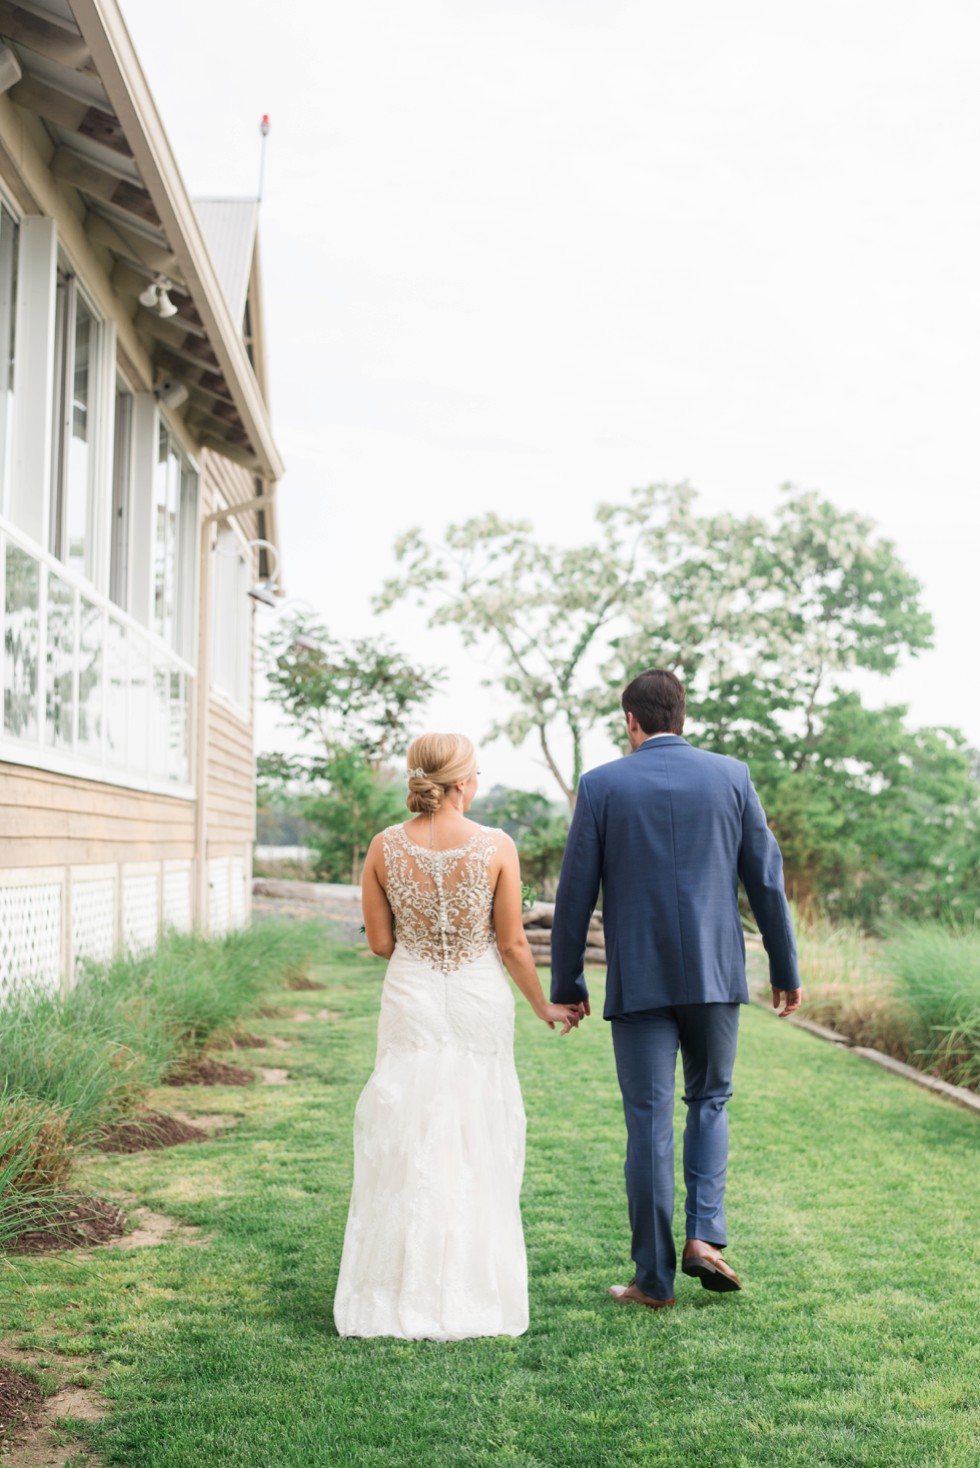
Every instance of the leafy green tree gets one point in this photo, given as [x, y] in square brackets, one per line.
[769, 622]
[546, 612]
[358, 801]
[538, 826]
[352, 702]
[357, 695]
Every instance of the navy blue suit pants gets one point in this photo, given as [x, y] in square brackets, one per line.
[646, 1046]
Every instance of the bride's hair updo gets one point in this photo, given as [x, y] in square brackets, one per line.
[444, 759]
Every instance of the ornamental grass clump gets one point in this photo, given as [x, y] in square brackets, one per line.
[36, 1158]
[69, 1053]
[847, 986]
[937, 978]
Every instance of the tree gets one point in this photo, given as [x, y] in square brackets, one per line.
[545, 612]
[760, 619]
[353, 703]
[768, 623]
[538, 826]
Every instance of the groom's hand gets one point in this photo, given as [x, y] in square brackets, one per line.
[791, 999]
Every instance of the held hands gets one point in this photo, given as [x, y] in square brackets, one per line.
[567, 1015]
[791, 999]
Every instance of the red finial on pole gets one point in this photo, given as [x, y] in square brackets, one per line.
[264, 126]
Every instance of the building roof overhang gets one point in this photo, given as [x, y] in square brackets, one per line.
[83, 80]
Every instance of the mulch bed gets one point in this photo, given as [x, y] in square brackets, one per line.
[248, 1041]
[210, 1072]
[85, 1221]
[148, 1130]
[299, 982]
[19, 1398]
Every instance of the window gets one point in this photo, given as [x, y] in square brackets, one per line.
[122, 475]
[231, 629]
[174, 546]
[77, 340]
[9, 241]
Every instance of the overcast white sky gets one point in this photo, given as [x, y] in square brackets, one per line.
[529, 255]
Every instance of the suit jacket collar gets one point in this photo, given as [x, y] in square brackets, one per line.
[657, 740]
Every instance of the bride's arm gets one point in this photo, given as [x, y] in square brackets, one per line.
[378, 924]
[512, 942]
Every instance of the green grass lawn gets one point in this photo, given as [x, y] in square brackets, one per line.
[852, 1211]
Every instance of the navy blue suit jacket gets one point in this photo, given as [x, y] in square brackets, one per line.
[668, 832]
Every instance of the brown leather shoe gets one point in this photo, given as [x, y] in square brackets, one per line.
[631, 1294]
[704, 1262]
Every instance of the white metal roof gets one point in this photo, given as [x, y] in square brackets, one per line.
[229, 227]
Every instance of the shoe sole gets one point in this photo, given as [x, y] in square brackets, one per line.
[710, 1276]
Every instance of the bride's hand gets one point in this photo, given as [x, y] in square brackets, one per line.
[566, 1015]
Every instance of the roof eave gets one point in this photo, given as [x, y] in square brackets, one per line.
[109, 42]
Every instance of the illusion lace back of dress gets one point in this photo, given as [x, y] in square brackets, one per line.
[442, 900]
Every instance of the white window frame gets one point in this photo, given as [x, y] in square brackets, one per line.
[25, 523]
[101, 415]
[239, 610]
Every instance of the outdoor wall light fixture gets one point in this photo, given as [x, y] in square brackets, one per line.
[267, 593]
[155, 297]
[171, 394]
[10, 72]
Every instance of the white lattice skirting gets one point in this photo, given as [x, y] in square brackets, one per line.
[178, 895]
[141, 910]
[93, 918]
[54, 918]
[31, 932]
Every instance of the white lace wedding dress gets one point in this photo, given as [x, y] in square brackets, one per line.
[434, 1245]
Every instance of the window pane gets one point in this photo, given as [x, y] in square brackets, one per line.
[60, 697]
[138, 726]
[91, 626]
[75, 531]
[9, 235]
[121, 471]
[20, 649]
[187, 555]
[178, 761]
[159, 720]
[166, 499]
[117, 692]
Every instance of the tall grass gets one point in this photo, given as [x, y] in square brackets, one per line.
[937, 977]
[915, 996]
[74, 1063]
[846, 985]
[35, 1164]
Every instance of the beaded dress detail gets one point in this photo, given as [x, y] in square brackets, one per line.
[442, 900]
[434, 1245]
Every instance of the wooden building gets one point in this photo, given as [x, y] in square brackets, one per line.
[137, 475]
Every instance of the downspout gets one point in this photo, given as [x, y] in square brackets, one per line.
[203, 702]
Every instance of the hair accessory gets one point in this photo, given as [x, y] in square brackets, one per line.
[417, 774]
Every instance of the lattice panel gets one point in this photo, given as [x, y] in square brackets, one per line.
[236, 895]
[141, 897]
[177, 898]
[93, 919]
[30, 935]
[219, 905]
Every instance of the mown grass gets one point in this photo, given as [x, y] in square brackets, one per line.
[852, 1208]
[915, 995]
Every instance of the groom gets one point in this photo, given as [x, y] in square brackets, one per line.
[667, 834]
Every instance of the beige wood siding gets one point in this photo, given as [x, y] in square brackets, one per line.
[55, 820]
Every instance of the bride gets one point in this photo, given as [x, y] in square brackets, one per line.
[434, 1246]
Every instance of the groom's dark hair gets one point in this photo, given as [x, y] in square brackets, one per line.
[657, 701]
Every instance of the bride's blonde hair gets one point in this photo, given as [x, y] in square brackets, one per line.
[435, 763]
